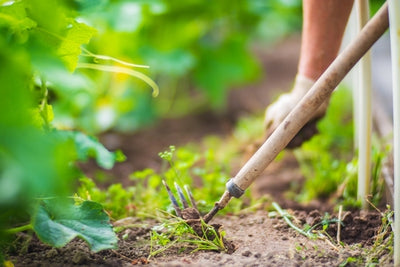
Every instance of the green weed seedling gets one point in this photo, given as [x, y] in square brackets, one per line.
[323, 159]
[307, 230]
[175, 232]
[328, 161]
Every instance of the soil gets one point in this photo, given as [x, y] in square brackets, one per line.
[256, 238]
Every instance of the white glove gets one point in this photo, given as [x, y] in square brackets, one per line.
[277, 111]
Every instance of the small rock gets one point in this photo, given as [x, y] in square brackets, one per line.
[79, 258]
[51, 253]
[190, 213]
[257, 255]
[246, 253]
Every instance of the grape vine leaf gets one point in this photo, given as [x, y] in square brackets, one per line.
[58, 221]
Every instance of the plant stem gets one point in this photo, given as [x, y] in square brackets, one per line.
[117, 69]
[19, 229]
[286, 217]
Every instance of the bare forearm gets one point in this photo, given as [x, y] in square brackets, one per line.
[324, 23]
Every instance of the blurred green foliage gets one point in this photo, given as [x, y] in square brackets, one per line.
[324, 159]
[196, 50]
[36, 159]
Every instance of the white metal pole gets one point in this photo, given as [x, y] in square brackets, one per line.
[365, 114]
[394, 19]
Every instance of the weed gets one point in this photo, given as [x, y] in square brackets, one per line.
[307, 230]
[383, 246]
[323, 159]
[350, 260]
[179, 234]
[117, 201]
[204, 172]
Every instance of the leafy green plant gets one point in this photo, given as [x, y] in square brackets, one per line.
[119, 202]
[57, 221]
[202, 171]
[40, 44]
[327, 163]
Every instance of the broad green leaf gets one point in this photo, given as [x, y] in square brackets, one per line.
[87, 146]
[57, 222]
[177, 62]
[14, 16]
[70, 47]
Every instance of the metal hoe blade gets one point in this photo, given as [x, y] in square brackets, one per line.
[173, 200]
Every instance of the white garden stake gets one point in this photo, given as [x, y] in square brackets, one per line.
[394, 17]
[364, 122]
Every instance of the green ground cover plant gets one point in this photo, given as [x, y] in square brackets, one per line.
[203, 171]
[329, 161]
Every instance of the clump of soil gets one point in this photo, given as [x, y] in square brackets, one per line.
[357, 227]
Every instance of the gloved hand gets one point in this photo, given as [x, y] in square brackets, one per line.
[277, 111]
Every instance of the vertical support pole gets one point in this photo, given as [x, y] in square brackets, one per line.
[352, 31]
[365, 114]
[394, 21]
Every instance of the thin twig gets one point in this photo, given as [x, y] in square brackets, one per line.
[326, 239]
[122, 256]
[339, 224]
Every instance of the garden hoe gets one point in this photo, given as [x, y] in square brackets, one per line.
[295, 120]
